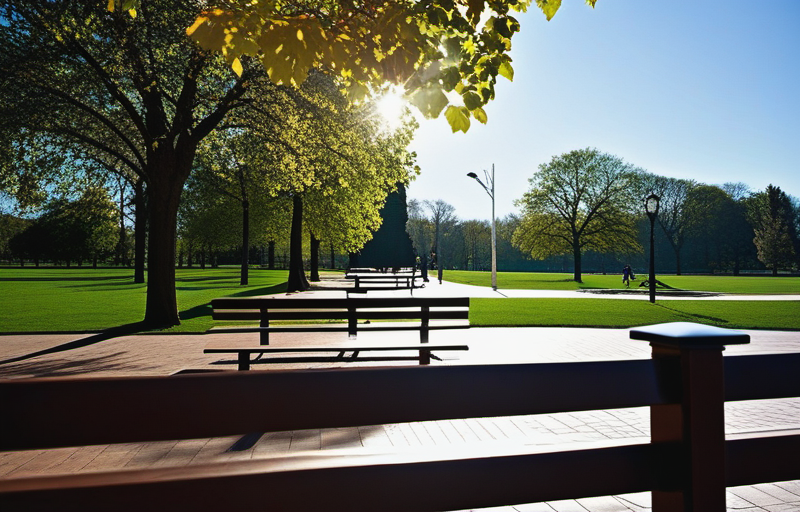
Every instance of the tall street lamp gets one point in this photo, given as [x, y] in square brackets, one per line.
[651, 207]
[490, 191]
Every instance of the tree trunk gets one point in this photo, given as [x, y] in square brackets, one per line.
[245, 242]
[121, 257]
[333, 258]
[314, 259]
[678, 262]
[576, 255]
[169, 170]
[297, 277]
[775, 270]
[139, 232]
[271, 255]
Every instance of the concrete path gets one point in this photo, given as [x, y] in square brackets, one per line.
[449, 289]
[165, 354]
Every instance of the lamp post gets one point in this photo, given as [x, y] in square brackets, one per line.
[651, 204]
[490, 180]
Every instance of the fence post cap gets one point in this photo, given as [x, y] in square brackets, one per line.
[689, 334]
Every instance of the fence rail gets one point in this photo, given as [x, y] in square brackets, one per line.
[687, 464]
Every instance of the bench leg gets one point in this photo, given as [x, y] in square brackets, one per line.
[244, 361]
[425, 356]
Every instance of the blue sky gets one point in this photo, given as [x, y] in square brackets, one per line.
[707, 90]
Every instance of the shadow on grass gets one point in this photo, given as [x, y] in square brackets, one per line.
[114, 332]
[204, 310]
[695, 316]
[77, 278]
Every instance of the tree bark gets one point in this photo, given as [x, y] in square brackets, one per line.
[314, 259]
[576, 254]
[271, 255]
[168, 171]
[139, 232]
[297, 276]
[333, 258]
[245, 242]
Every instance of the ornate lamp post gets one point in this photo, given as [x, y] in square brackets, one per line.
[651, 204]
[490, 179]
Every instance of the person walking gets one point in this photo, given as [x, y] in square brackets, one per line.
[626, 276]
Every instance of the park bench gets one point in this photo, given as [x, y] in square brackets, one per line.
[687, 464]
[418, 313]
[364, 281]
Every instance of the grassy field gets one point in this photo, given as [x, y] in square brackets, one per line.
[83, 299]
[782, 315]
[745, 285]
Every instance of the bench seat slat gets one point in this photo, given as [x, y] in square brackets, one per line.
[348, 348]
[326, 303]
[336, 315]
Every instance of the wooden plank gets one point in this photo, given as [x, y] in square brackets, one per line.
[762, 457]
[116, 410]
[440, 479]
[242, 303]
[758, 377]
[347, 348]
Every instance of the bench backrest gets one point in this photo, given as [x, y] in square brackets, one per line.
[309, 308]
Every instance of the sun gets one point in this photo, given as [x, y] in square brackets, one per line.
[391, 106]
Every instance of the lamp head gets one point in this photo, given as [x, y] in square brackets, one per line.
[472, 175]
[651, 204]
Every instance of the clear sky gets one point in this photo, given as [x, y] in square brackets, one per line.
[707, 90]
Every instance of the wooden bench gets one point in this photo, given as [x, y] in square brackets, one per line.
[266, 310]
[350, 353]
[396, 278]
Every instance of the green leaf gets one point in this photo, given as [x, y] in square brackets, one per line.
[549, 7]
[480, 115]
[472, 100]
[506, 70]
[430, 101]
[458, 117]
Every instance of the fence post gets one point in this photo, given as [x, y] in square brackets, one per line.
[689, 362]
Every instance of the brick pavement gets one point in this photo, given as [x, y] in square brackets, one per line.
[165, 354]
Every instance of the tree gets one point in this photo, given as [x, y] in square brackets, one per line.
[443, 218]
[134, 88]
[578, 201]
[331, 158]
[773, 217]
[72, 231]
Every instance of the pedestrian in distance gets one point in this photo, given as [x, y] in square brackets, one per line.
[626, 276]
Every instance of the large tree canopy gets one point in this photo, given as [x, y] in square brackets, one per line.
[446, 54]
[581, 200]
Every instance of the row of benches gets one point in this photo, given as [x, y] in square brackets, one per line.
[375, 314]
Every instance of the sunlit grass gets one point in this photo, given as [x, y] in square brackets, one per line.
[78, 299]
[564, 281]
[630, 313]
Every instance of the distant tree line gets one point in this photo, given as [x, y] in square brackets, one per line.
[585, 212]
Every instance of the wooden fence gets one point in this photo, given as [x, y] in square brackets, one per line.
[687, 464]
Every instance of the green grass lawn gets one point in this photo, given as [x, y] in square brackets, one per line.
[85, 299]
[784, 315]
[545, 281]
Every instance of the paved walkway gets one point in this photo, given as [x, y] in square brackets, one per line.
[165, 354]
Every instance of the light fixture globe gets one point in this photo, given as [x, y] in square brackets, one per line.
[651, 204]
[472, 175]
